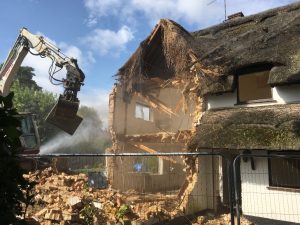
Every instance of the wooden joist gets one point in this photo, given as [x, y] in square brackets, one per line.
[150, 150]
[157, 104]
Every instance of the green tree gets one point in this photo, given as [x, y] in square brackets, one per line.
[14, 188]
[29, 97]
[25, 76]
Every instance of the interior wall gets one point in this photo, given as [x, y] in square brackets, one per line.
[126, 123]
[170, 177]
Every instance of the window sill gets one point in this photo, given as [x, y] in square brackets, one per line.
[141, 119]
[285, 189]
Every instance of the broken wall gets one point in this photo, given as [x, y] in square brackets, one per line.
[205, 186]
[124, 121]
[167, 175]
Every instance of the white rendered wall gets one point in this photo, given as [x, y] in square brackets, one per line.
[206, 189]
[287, 94]
[258, 200]
[281, 95]
[221, 101]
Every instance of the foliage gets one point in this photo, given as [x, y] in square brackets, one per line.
[14, 189]
[24, 77]
[123, 211]
[29, 97]
[38, 102]
[89, 212]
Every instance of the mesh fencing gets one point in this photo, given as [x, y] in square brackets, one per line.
[267, 188]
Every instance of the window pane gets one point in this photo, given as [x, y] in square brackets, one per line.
[146, 164]
[142, 112]
[28, 141]
[254, 86]
[28, 138]
[285, 172]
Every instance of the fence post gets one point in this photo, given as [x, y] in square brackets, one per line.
[230, 188]
[236, 189]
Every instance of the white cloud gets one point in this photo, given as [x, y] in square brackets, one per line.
[193, 12]
[105, 41]
[99, 8]
[91, 21]
[154, 12]
[103, 7]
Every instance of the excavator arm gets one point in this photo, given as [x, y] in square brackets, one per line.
[64, 113]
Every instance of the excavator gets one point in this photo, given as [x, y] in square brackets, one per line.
[64, 113]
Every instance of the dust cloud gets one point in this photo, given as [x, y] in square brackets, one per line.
[86, 133]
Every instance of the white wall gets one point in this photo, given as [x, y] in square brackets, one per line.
[281, 94]
[287, 94]
[221, 101]
[206, 188]
[258, 201]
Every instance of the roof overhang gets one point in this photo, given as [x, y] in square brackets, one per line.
[274, 127]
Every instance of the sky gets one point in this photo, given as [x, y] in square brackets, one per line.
[102, 34]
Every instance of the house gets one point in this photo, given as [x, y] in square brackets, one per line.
[149, 113]
[229, 88]
[254, 105]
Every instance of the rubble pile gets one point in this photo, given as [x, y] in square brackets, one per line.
[211, 219]
[66, 199]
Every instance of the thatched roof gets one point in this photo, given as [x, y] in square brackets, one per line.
[269, 38]
[275, 127]
[163, 54]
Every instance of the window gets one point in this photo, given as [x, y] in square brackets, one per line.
[142, 112]
[146, 164]
[284, 173]
[28, 136]
[253, 86]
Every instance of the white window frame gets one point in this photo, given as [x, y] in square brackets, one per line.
[143, 112]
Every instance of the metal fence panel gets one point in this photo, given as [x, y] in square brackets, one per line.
[267, 189]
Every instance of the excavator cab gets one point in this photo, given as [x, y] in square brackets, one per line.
[30, 140]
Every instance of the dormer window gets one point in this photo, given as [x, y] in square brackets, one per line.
[253, 86]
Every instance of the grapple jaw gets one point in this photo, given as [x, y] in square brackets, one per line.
[64, 115]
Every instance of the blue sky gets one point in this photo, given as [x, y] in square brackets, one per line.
[103, 34]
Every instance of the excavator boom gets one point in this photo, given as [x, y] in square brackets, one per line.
[64, 113]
